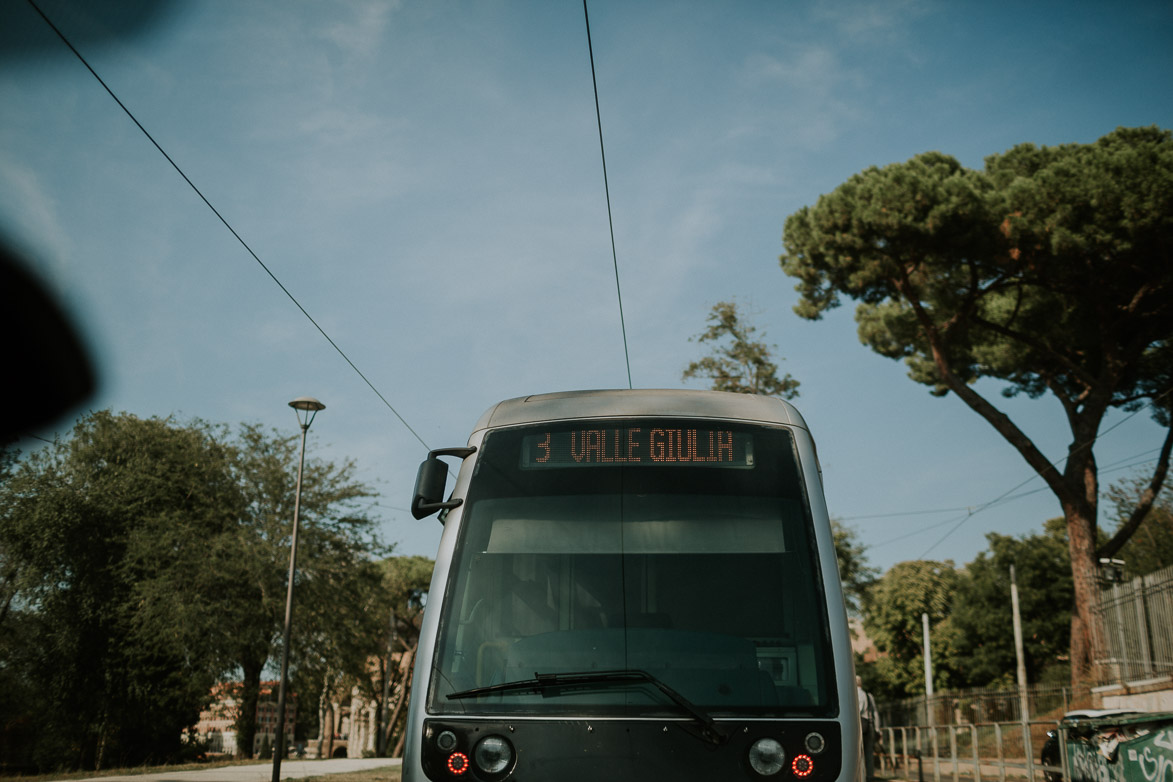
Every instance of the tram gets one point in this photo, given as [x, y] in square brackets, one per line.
[630, 586]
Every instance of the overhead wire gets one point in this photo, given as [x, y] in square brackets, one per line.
[222, 219]
[1088, 444]
[1123, 464]
[607, 191]
[902, 514]
[970, 512]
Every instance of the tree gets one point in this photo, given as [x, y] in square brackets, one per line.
[854, 572]
[1151, 546]
[1047, 271]
[892, 618]
[142, 560]
[982, 651]
[87, 527]
[743, 365]
[407, 581]
[337, 574]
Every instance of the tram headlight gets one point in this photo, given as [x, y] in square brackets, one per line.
[493, 754]
[767, 757]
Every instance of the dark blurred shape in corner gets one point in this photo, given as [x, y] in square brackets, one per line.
[48, 369]
[25, 36]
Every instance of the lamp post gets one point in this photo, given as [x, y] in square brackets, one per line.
[310, 407]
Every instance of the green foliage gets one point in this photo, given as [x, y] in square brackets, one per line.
[741, 365]
[1047, 271]
[86, 528]
[854, 572]
[982, 650]
[892, 618]
[193, 748]
[141, 560]
[1030, 271]
[971, 624]
[406, 582]
[1151, 547]
[395, 586]
[337, 577]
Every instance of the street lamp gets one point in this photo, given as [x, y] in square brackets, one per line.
[310, 407]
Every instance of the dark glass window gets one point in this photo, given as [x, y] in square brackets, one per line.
[679, 548]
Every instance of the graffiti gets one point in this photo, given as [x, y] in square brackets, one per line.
[1088, 765]
[1117, 755]
[1158, 766]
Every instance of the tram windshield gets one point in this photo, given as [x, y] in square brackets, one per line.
[681, 549]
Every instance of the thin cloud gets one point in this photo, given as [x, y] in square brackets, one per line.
[812, 92]
[362, 33]
[26, 203]
[874, 23]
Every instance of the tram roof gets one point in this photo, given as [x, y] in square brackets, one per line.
[676, 403]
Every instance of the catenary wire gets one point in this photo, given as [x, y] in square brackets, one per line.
[1122, 464]
[1115, 467]
[1088, 444]
[607, 191]
[227, 225]
[900, 515]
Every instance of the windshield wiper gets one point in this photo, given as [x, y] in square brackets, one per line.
[553, 684]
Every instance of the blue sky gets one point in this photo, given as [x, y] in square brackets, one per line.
[425, 178]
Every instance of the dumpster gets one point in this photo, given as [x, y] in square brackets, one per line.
[1124, 748]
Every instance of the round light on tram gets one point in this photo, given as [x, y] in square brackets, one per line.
[457, 763]
[767, 757]
[493, 755]
[815, 743]
[446, 741]
[803, 766]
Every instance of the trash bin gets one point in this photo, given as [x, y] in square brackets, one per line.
[1126, 748]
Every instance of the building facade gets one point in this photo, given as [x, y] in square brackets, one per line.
[217, 725]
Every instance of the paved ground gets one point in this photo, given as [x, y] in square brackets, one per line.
[260, 772]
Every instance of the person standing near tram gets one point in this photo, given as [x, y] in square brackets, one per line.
[869, 719]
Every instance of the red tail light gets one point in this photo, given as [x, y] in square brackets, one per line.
[802, 766]
[457, 763]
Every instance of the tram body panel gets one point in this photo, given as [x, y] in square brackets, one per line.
[422, 666]
[836, 601]
[623, 728]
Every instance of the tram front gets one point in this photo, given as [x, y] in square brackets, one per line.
[636, 598]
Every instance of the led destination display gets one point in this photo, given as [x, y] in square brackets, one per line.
[638, 446]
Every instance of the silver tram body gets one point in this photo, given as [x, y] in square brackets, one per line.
[633, 585]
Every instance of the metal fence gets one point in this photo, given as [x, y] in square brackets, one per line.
[986, 751]
[981, 706]
[982, 734]
[1136, 619]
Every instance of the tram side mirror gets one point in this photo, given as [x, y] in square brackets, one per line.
[432, 480]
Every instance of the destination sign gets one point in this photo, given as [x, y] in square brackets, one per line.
[638, 446]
